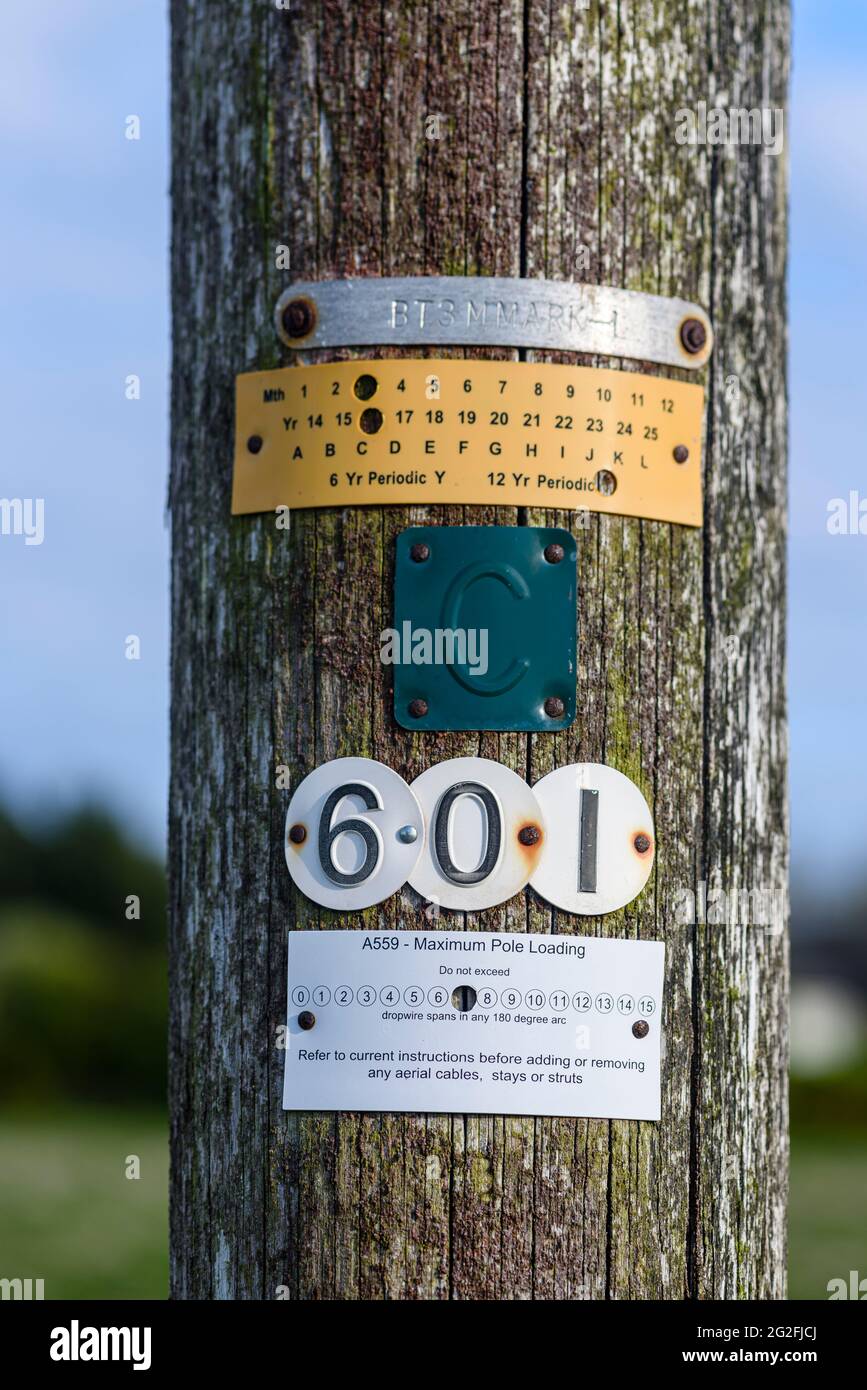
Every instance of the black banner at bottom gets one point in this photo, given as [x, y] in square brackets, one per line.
[240, 1338]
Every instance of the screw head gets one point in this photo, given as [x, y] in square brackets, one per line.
[642, 843]
[419, 552]
[254, 443]
[298, 834]
[306, 1020]
[299, 318]
[407, 834]
[640, 1028]
[681, 454]
[418, 708]
[554, 553]
[529, 834]
[693, 335]
[554, 707]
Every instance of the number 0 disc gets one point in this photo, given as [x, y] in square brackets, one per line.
[476, 812]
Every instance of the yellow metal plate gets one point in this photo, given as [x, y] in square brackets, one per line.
[368, 433]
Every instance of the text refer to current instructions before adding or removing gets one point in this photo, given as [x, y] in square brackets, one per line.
[473, 1023]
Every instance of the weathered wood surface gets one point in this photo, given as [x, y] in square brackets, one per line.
[308, 128]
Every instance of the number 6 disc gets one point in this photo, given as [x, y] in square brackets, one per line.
[600, 839]
[354, 832]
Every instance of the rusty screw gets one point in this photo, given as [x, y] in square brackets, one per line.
[681, 454]
[554, 553]
[297, 834]
[254, 443]
[418, 708]
[693, 335]
[529, 834]
[306, 1020]
[640, 1028]
[642, 843]
[299, 317]
[554, 707]
[419, 552]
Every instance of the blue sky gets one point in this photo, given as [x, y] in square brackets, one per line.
[86, 304]
[828, 304]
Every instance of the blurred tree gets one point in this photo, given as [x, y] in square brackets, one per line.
[82, 986]
[84, 864]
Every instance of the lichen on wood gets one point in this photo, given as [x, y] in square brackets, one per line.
[307, 127]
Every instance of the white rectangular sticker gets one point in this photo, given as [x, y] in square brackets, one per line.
[474, 1023]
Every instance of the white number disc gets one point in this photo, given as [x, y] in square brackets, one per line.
[600, 841]
[475, 854]
[354, 832]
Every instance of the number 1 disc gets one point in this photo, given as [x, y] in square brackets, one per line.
[600, 839]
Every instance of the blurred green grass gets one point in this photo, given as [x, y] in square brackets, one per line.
[82, 1058]
[827, 1212]
[68, 1213]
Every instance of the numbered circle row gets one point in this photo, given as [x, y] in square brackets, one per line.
[469, 834]
[414, 996]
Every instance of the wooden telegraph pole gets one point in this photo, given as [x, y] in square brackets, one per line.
[494, 138]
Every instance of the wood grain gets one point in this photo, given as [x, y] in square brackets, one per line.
[308, 128]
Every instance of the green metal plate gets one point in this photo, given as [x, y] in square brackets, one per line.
[485, 623]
